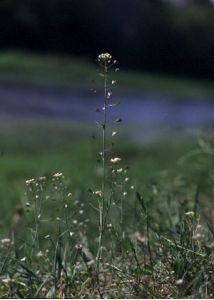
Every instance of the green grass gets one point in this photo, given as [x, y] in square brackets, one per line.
[157, 232]
[32, 149]
[151, 255]
[75, 72]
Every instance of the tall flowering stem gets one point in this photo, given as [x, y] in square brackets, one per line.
[105, 60]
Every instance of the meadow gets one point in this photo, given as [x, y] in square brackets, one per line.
[156, 236]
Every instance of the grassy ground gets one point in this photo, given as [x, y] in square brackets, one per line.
[157, 234]
[163, 246]
[76, 72]
[31, 149]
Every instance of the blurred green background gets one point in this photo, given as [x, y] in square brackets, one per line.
[48, 53]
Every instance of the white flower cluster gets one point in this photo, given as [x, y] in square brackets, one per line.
[58, 175]
[29, 181]
[104, 57]
[115, 160]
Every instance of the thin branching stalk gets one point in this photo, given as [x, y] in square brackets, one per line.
[103, 200]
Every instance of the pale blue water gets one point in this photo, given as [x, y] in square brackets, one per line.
[150, 110]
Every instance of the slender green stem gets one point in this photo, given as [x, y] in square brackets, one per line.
[102, 200]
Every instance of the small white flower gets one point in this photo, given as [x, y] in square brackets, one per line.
[109, 94]
[104, 57]
[6, 280]
[115, 160]
[179, 282]
[190, 214]
[56, 175]
[23, 258]
[98, 193]
[6, 241]
[126, 179]
[78, 247]
[29, 181]
[109, 226]
[120, 170]
[39, 254]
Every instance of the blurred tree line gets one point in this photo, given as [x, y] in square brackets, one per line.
[150, 35]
